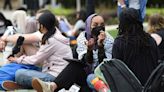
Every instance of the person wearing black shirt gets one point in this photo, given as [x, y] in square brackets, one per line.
[136, 48]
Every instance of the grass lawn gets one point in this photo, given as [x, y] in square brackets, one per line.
[150, 11]
[113, 33]
[62, 11]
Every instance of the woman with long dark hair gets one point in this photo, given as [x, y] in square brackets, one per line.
[134, 46]
[93, 46]
[50, 55]
[28, 49]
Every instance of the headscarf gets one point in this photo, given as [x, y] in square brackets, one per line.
[88, 25]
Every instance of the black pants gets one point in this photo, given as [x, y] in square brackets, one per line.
[73, 73]
[7, 2]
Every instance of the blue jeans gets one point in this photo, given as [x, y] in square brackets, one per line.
[7, 72]
[89, 78]
[24, 77]
[119, 10]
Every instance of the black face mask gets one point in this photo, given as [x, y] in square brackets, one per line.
[96, 31]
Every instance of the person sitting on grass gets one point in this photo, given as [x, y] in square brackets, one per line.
[93, 45]
[156, 29]
[136, 48]
[50, 54]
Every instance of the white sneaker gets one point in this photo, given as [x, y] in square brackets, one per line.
[10, 85]
[41, 86]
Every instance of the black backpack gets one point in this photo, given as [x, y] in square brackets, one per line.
[155, 82]
[119, 77]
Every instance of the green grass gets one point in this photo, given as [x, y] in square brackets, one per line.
[113, 33]
[61, 11]
[150, 11]
[67, 11]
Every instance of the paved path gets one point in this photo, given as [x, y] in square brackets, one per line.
[7, 13]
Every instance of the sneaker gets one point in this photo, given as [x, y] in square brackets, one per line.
[41, 86]
[10, 85]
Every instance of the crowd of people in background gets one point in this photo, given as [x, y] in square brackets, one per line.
[49, 60]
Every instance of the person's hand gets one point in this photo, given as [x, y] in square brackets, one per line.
[2, 44]
[90, 44]
[12, 59]
[123, 6]
[101, 38]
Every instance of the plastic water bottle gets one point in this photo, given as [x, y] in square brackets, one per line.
[99, 85]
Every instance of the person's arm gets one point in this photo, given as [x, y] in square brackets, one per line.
[29, 38]
[101, 50]
[157, 38]
[44, 52]
[88, 56]
[108, 45]
[84, 48]
[105, 45]
[101, 53]
[81, 46]
[122, 3]
[66, 21]
[78, 25]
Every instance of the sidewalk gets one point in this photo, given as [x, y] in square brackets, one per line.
[7, 13]
[114, 27]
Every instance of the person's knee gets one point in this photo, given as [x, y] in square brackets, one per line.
[20, 74]
[22, 78]
[90, 77]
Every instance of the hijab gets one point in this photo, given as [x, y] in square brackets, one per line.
[88, 25]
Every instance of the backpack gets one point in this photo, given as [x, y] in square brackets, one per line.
[155, 82]
[119, 77]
